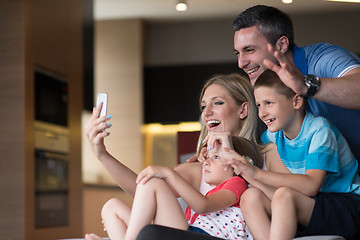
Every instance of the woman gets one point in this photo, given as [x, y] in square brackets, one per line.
[228, 107]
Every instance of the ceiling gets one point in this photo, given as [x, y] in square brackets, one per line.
[164, 10]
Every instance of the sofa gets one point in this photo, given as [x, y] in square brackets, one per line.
[156, 232]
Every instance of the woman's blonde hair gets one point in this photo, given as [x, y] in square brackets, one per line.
[241, 91]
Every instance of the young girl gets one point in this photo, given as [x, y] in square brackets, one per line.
[217, 213]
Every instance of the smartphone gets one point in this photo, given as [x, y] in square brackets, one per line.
[102, 98]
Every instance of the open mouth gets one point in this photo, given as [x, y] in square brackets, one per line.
[269, 121]
[252, 70]
[212, 123]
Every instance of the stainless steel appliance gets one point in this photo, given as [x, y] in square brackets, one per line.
[51, 175]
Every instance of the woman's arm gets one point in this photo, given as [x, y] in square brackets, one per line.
[198, 202]
[95, 131]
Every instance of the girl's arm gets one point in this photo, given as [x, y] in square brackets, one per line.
[96, 132]
[198, 202]
[191, 173]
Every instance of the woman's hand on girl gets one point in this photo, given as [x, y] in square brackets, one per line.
[95, 131]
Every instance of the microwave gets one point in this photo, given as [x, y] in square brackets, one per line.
[51, 97]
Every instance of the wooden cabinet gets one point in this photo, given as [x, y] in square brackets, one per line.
[47, 34]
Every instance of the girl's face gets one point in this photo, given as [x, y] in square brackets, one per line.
[220, 113]
[214, 172]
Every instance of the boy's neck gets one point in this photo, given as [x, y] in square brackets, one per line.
[294, 129]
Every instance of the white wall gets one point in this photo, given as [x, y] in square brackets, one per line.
[118, 72]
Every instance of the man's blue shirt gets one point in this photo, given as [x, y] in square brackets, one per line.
[330, 61]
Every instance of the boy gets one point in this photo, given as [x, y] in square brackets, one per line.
[323, 191]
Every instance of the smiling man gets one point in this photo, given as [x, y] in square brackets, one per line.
[328, 75]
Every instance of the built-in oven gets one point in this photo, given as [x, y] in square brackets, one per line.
[51, 175]
[51, 191]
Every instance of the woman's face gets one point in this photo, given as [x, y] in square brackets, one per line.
[220, 113]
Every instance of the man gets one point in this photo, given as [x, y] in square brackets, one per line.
[328, 75]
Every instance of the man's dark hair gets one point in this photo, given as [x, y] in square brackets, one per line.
[272, 23]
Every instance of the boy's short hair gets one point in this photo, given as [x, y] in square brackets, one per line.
[270, 79]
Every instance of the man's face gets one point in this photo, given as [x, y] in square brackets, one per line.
[251, 49]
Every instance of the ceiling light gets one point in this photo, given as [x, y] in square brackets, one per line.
[287, 1]
[181, 6]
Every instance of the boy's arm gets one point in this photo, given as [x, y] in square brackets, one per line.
[273, 161]
[198, 202]
[308, 183]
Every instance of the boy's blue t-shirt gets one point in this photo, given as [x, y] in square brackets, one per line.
[319, 145]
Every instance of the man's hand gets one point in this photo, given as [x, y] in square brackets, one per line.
[287, 71]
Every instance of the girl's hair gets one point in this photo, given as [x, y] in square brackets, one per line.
[246, 148]
[241, 91]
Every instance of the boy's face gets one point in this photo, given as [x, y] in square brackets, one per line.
[275, 110]
[214, 172]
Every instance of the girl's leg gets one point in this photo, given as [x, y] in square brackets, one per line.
[92, 236]
[256, 208]
[115, 215]
[288, 208]
[155, 201]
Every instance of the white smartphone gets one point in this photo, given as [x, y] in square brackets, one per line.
[102, 98]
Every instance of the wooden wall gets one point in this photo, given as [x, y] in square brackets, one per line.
[12, 127]
[49, 34]
[56, 33]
